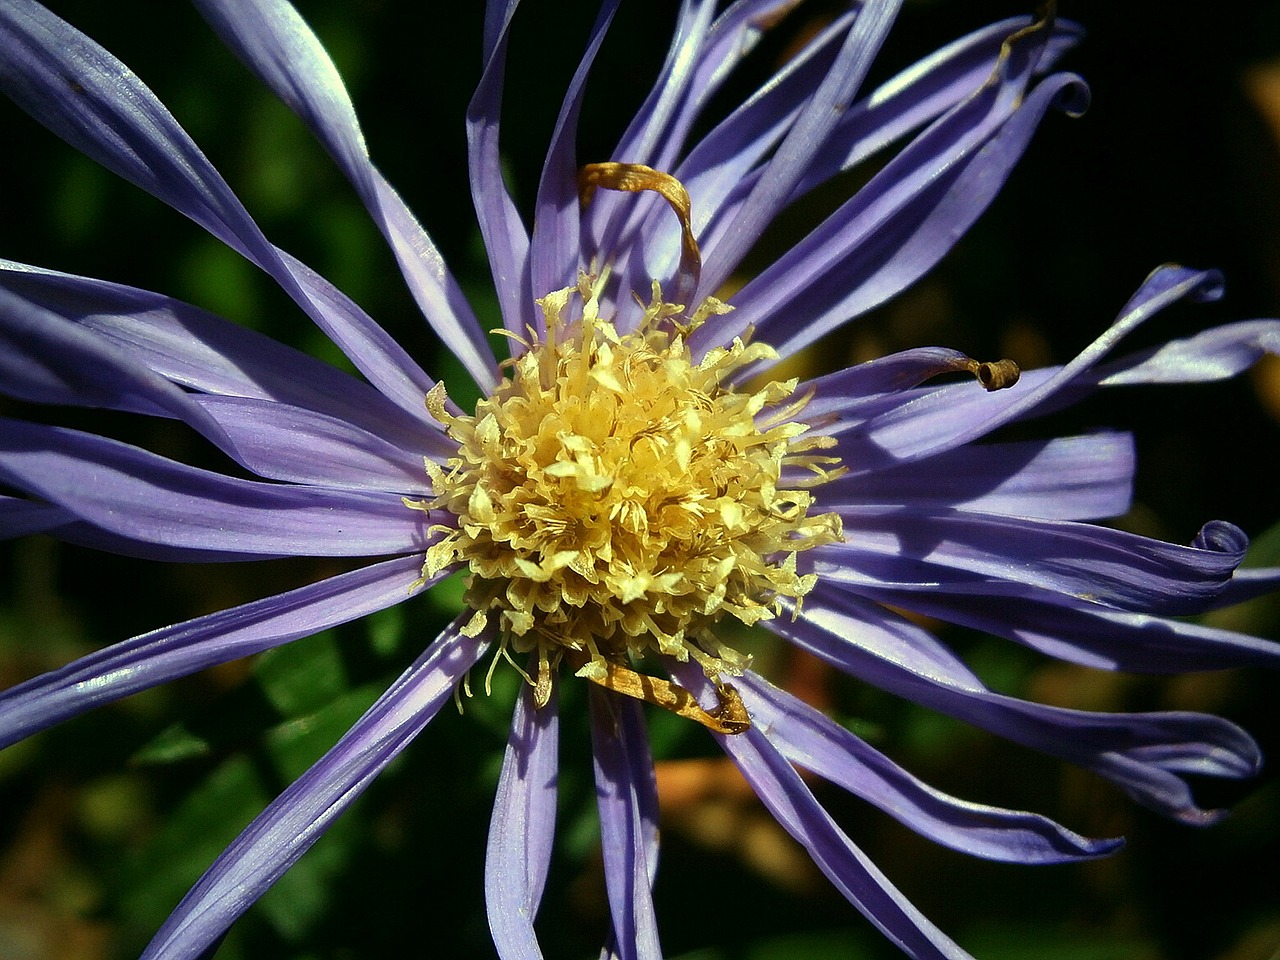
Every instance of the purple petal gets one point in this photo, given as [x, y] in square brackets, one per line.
[86, 96]
[47, 359]
[903, 221]
[522, 830]
[505, 238]
[156, 658]
[1212, 355]
[136, 494]
[929, 421]
[371, 349]
[720, 171]
[1069, 478]
[20, 518]
[283, 442]
[556, 250]
[802, 142]
[287, 828]
[1215, 354]
[1146, 754]
[849, 390]
[1077, 630]
[939, 82]
[1248, 584]
[85, 534]
[603, 220]
[1107, 566]
[274, 41]
[205, 353]
[626, 794]
[497, 17]
[726, 163]
[793, 805]
[806, 737]
[94, 102]
[701, 56]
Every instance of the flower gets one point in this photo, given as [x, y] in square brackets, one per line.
[625, 488]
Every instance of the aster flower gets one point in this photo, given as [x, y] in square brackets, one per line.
[633, 479]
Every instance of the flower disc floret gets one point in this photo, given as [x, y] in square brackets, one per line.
[614, 496]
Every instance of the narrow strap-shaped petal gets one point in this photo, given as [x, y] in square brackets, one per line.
[1248, 584]
[497, 16]
[935, 419]
[1216, 354]
[47, 359]
[556, 251]
[277, 44]
[938, 82]
[1072, 628]
[1147, 754]
[1206, 357]
[795, 808]
[156, 658]
[1108, 566]
[20, 517]
[505, 238]
[603, 219]
[522, 830]
[803, 140]
[63, 525]
[1069, 478]
[903, 221]
[718, 165]
[203, 352]
[282, 442]
[136, 494]
[372, 351]
[702, 55]
[907, 101]
[806, 737]
[627, 798]
[844, 391]
[94, 102]
[723, 167]
[286, 829]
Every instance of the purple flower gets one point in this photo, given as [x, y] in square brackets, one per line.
[621, 491]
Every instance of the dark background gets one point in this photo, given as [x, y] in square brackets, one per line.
[105, 821]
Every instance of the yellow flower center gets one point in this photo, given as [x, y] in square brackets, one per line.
[613, 497]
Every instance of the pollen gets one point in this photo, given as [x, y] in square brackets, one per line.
[615, 498]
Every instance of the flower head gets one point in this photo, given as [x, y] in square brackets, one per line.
[614, 499]
[637, 476]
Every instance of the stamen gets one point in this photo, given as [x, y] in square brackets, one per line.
[635, 177]
[542, 689]
[995, 375]
[614, 500]
[730, 716]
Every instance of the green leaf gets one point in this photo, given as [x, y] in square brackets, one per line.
[299, 742]
[172, 745]
[386, 630]
[194, 834]
[1012, 941]
[302, 676]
